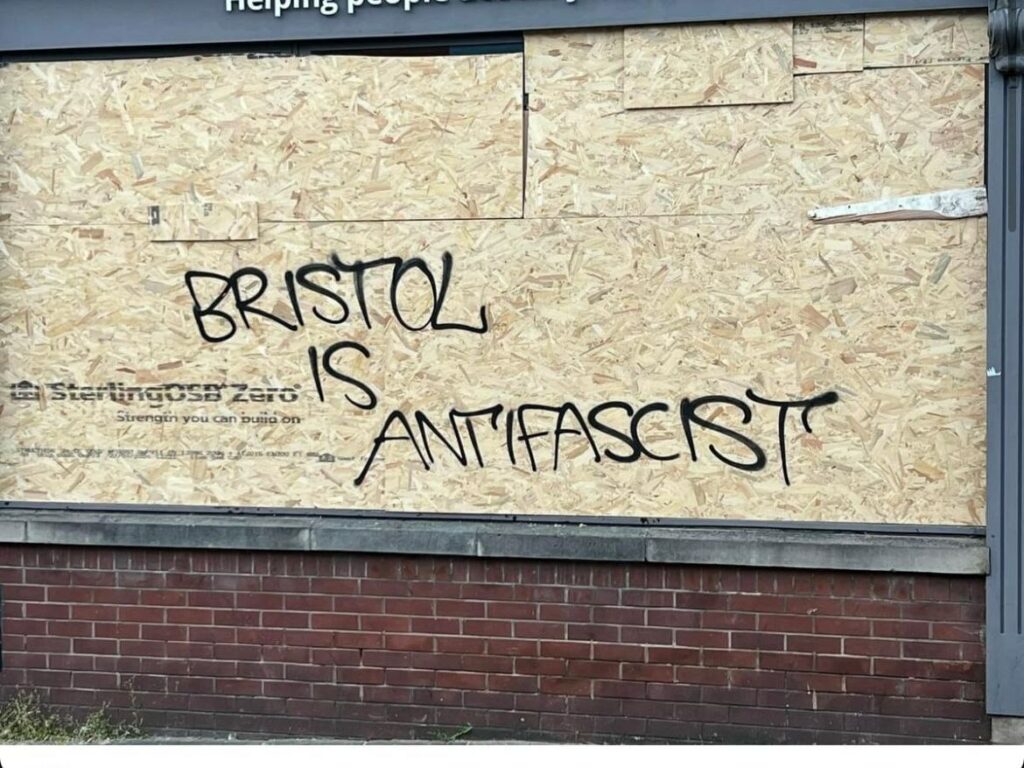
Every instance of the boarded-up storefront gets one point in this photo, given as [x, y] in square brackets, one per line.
[378, 330]
[611, 303]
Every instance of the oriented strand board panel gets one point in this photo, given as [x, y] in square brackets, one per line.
[591, 60]
[845, 137]
[203, 221]
[828, 44]
[316, 138]
[695, 65]
[111, 395]
[918, 40]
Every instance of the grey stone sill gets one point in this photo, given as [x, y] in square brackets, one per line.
[734, 546]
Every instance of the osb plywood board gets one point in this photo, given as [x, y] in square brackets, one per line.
[828, 44]
[203, 221]
[882, 324]
[309, 139]
[845, 137]
[917, 40]
[590, 59]
[693, 65]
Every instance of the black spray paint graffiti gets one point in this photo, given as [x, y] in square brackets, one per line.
[567, 420]
[221, 315]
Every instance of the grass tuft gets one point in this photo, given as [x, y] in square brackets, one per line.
[24, 719]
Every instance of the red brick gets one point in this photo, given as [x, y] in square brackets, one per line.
[566, 613]
[616, 615]
[473, 663]
[565, 650]
[580, 596]
[390, 644]
[646, 635]
[701, 638]
[901, 629]
[731, 659]
[624, 689]
[814, 644]
[842, 665]
[669, 655]
[675, 618]
[308, 602]
[513, 647]
[461, 608]
[559, 667]
[463, 644]
[784, 623]
[922, 650]
[513, 683]
[511, 611]
[163, 632]
[655, 673]
[938, 670]
[464, 680]
[409, 642]
[385, 623]
[334, 621]
[384, 587]
[814, 606]
[566, 686]
[189, 616]
[862, 646]
[422, 625]
[810, 681]
[702, 601]
[758, 641]
[282, 619]
[703, 676]
[363, 676]
[539, 629]
[487, 628]
[600, 633]
[618, 652]
[410, 606]
[875, 685]
[605, 670]
[835, 626]
[786, 661]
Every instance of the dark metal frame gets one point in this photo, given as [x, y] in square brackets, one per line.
[47, 25]
[1004, 507]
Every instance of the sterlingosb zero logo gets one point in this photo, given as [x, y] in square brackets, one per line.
[155, 396]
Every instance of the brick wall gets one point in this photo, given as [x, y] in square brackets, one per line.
[399, 647]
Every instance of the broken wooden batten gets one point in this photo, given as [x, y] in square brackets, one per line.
[952, 204]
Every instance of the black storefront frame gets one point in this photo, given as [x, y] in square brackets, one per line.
[57, 29]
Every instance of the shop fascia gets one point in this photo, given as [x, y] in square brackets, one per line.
[332, 7]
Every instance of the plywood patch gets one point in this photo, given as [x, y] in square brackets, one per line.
[310, 139]
[640, 311]
[918, 40]
[203, 221]
[828, 44]
[591, 60]
[846, 137]
[692, 65]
